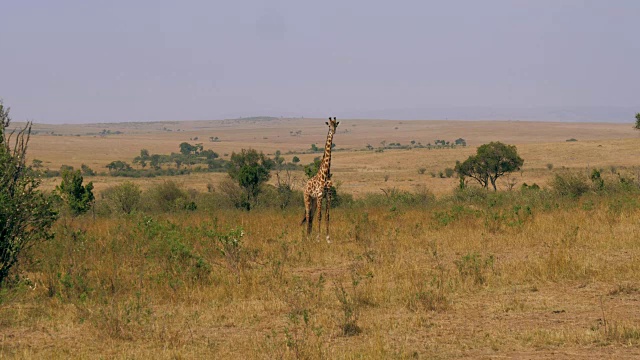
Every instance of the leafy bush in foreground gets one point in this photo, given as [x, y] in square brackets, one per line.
[25, 213]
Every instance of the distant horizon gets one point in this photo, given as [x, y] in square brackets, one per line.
[587, 114]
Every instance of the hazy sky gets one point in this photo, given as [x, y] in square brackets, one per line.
[94, 61]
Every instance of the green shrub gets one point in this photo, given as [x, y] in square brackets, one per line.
[79, 198]
[472, 266]
[526, 187]
[282, 197]
[397, 198]
[232, 195]
[448, 172]
[87, 171]
[25, 213]
[250, 169]
[596, 179]
[470, 194]
[165, 197]
[570, 184]
[124, 198]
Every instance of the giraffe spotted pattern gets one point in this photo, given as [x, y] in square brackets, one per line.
[319, 186]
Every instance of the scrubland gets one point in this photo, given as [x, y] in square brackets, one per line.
[418, 271]
[528, 273]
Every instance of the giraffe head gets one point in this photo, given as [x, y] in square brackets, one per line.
[333, 124]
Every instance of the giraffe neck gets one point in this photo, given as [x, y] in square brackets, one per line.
[323, 172]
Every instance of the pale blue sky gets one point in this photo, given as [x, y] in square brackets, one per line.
[98, 61]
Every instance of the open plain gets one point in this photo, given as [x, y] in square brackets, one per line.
[415, 268]
[357, 169]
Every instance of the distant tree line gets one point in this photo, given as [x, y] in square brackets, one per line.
[437, 144]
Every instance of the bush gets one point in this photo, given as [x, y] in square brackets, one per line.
[312, 169]
[339, 198]
[570, 184]
[281, 197]
[124, 198]
[79, 198]
[474, 267]
[398, 198]
[250, 170]
[168, 196]
[25, 213]
[87, 171]
[596, 179]
[532, 187]
[232, 194]
[470, 194]
[448, 172]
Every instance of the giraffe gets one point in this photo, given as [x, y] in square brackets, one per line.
[319, 186]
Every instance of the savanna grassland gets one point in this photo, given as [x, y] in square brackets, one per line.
[415, 268]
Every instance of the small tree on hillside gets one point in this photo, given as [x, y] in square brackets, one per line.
[118, 165]
[637, 127]
[250, 170]
[186, 148]
[26, 215]
[154, 161]
[490, 162]
[79, 198]
[87, 171]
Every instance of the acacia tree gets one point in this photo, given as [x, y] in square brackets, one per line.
[637, 126]
[250, 169]
[490, 162]
[26, 214]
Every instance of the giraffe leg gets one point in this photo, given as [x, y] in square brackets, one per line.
[327, 215]
[319, 211]
[308, 214]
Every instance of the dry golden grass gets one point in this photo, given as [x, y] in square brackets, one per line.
[452, 279]
[562, 284]
[358, 171]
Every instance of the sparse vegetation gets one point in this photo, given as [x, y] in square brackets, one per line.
[181, 271]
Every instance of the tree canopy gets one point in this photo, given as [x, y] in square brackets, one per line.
[250, 169]
[490, 162]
